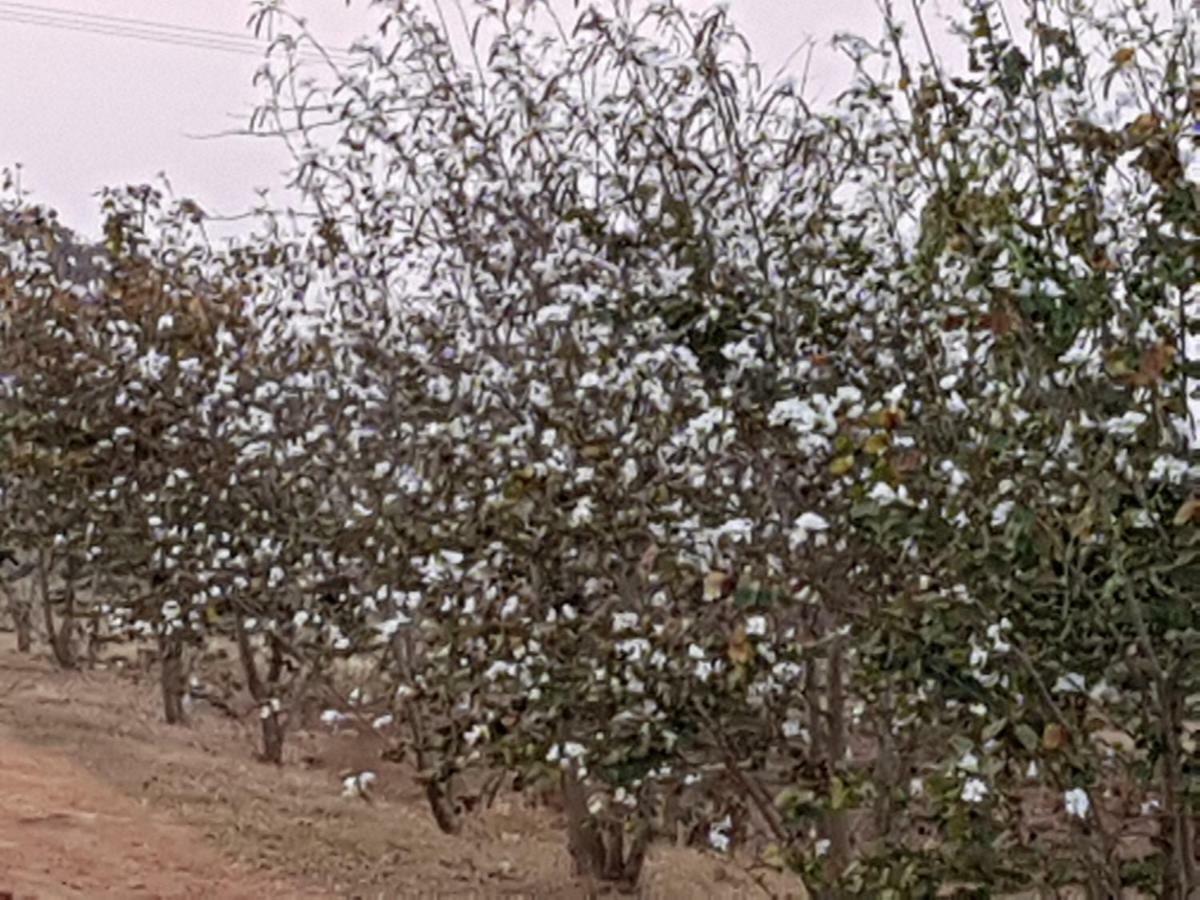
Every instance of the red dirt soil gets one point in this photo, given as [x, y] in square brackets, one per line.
[100, 799]
[65, 834]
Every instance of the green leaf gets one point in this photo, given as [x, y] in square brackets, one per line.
[994, 728]
[838, 795]
[961, 745]
[865, 510]
[1028, 737]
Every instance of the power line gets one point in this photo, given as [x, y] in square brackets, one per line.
[145, 30]
[147, 26]
[19, 19]
[127, 20]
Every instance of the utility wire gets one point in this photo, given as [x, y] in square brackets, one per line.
[24, 19]
[145, 30]
[78, 17]
[128, 20]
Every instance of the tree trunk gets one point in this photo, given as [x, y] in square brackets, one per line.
[272, 734]
[837, 826]
[170, 651]
[1179, 871]
[23, 623]
[439, 789]
[246, 655]
[22, 617]
[604, 851]
[887, 768]
[827, 726]
[58, 636]
[441, 803]
[272, 723]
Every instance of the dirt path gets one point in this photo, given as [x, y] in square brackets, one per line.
[64, 834]
[100, 799]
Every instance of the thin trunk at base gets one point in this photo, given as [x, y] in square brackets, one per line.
[605, 851]
[170, 651]
[271, 722]
[58, 635]
[20, 612]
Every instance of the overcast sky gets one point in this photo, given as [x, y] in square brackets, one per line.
[82, 110]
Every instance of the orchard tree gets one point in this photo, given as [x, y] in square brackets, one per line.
[825, 476]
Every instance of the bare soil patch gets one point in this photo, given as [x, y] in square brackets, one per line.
[99, 798]
[64, 833]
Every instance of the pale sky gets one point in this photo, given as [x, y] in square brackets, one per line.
[83, 110]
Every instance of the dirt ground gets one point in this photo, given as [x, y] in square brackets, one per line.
[99, 798]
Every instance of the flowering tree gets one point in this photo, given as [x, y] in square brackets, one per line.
[1037, 487]
[824, 476]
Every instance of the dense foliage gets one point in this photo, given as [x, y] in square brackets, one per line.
[823, 475]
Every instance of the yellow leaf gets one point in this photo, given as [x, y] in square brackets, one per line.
[877, 444]
[842, 464]
[1116, 366]
[838, 795]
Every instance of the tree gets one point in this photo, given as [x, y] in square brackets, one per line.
[825, 474]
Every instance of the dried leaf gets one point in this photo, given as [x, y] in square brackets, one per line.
[1154, 362]
[717, 585]
[1002, 322]
[1055, 737]
[1143, 126]
[741, 651]
[907, 461]
[1124, 56]
[1187, 512]
[953, 322]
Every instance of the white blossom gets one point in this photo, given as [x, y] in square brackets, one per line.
[1076, 803]
[719, 835]
[974, 791]
[1071, 683]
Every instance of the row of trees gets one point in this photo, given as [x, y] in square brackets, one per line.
[829, 472]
